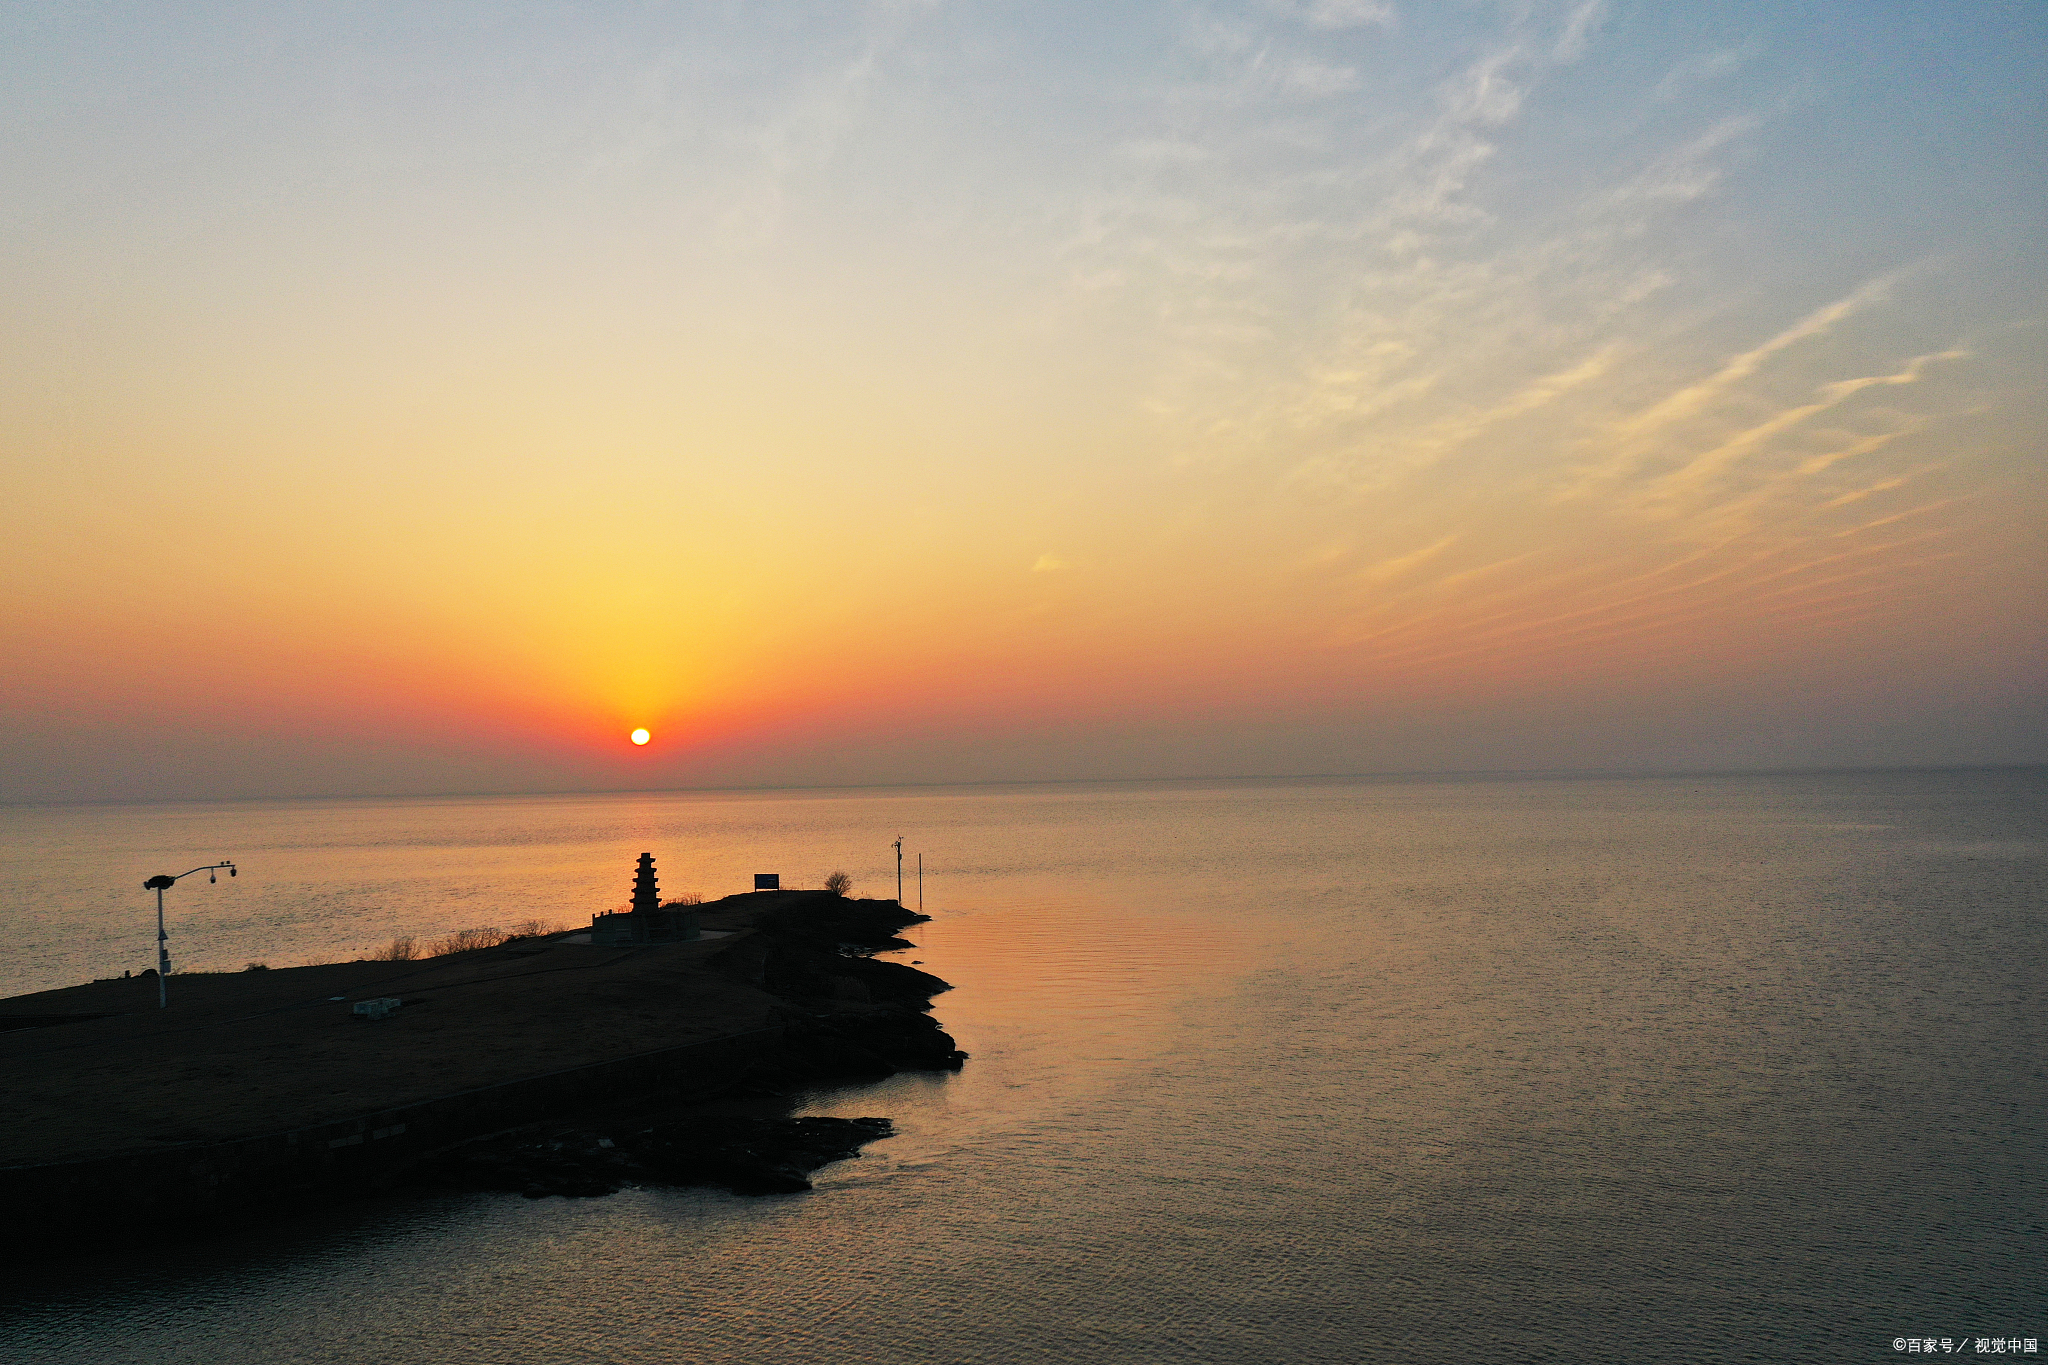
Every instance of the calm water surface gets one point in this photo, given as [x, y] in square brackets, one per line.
[1735, 1068]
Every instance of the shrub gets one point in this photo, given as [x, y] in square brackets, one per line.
[536, 928]
[839, 883]
[687, 898]
[404, 948]
[469, 940]
[257, 967]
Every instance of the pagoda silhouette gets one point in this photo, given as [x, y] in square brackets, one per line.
[645, 900]
[648, 921]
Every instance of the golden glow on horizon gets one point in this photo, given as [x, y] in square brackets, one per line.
[641, 736]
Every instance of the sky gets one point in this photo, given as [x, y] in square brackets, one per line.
[414, 398]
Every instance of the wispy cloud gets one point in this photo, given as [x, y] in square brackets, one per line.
[1387, 570]
[1338, 14]
[1701, 469]
[1692, 399]
[1344, 301]
[1881, 486]
[1703, 67]
[1387, 329]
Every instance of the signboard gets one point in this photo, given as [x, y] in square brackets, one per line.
[767, 881]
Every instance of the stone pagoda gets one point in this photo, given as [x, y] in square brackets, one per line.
[646, 901]
[648, 921]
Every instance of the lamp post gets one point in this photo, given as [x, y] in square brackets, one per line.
[160, 883]
[898, 846]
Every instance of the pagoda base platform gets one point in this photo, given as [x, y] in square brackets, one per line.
[635, 927]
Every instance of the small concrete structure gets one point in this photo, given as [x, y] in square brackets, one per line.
[383, 1007]
[649, 921]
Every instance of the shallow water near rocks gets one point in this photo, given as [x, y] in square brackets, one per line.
[1655, 1069]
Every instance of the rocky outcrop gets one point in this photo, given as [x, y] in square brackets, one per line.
[849, 1018]
[853, 1017]
[744, 1155]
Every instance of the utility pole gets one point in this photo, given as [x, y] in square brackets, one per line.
[160, 883]
[899, 869]
[920, 883]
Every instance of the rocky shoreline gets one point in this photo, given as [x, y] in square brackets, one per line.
[875, 1026]
[743, 1155]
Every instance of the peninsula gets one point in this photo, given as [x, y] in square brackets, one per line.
[261, 1090]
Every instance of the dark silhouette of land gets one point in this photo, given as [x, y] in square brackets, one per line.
[256, 1086]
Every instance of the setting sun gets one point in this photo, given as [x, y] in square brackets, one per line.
[641, 736]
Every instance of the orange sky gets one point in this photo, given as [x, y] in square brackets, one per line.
[909, 398]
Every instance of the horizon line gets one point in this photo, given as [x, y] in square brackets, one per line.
[1385, 775]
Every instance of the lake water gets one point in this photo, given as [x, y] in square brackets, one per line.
[1657, 1069]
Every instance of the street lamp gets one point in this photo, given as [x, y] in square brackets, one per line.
[160, 883]
[898, 846]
